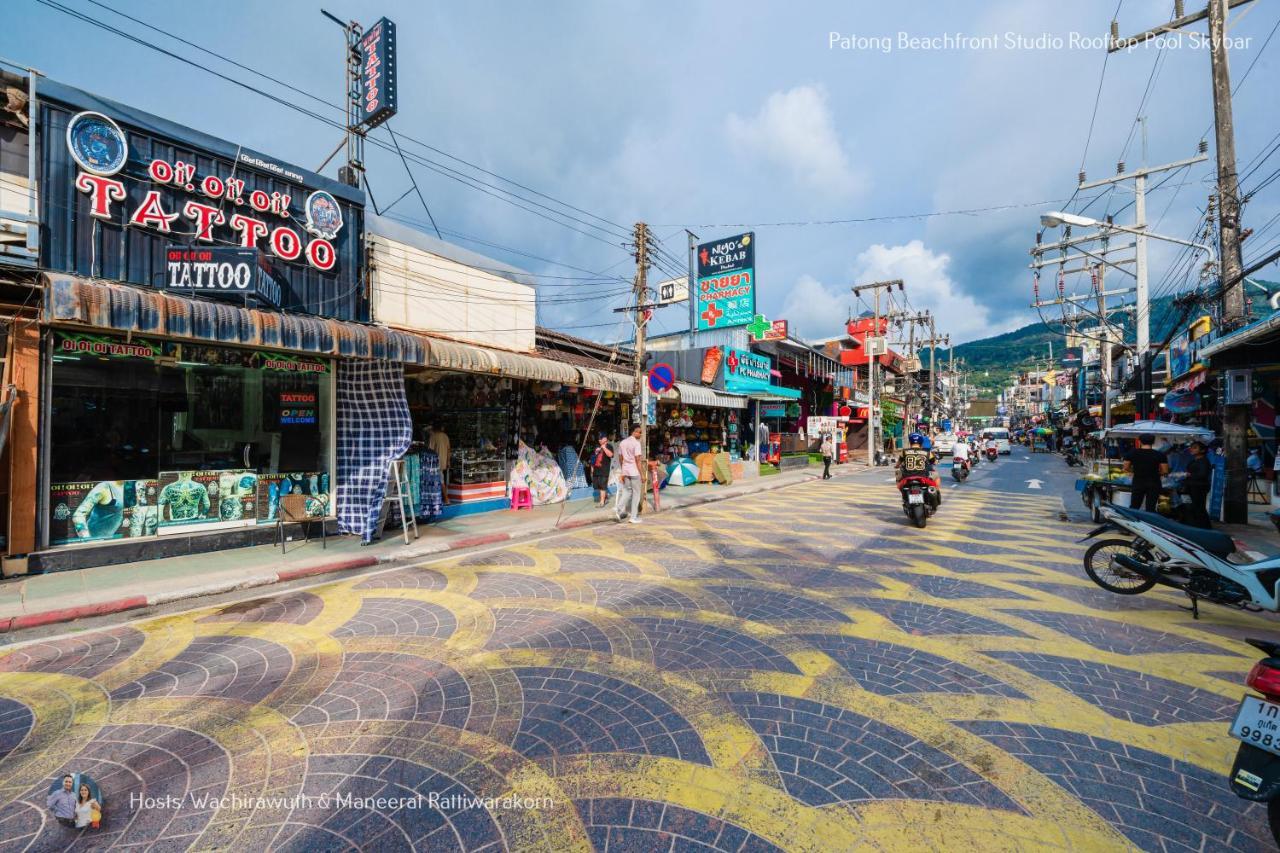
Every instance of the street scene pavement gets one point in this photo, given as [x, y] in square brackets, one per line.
[799, 669]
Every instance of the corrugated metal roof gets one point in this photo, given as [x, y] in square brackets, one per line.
[696, 395]
[109, 305]
[606, 380]
[457, 355]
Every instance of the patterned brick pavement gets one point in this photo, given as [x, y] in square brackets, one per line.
[758, 675]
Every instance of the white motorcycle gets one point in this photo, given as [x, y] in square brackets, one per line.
[1194, 560]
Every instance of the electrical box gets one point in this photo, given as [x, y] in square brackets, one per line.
[1239, 388]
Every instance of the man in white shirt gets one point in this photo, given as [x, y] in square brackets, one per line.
[960, 451]
[631, 456]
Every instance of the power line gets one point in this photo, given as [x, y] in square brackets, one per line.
[466, 180]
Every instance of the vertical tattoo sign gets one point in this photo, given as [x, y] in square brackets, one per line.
[378, 73]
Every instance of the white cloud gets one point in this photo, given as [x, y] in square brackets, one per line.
[794, 131]
[812, 310]
[818, 311]
[929, 286]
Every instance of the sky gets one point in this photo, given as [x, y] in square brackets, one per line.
[827, 128]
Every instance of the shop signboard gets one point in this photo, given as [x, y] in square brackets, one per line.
[377, 74]
[1218, 487]
[773, 410]
[746, 371]
[102, 510]
[206, 497]
[726, 283]
[1180, 355]
[116, 174]
[221, 272]
[673, 290]
[273, 487]
[1182, 402]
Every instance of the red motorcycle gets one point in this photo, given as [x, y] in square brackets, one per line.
[992, 453]
[920, 498]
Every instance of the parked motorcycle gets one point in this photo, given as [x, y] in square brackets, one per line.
[1256, 773]
[920, 498]
[1158, 550]
[1072, 458]
[960, 470]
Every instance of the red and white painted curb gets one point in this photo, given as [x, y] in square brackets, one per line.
[11, 624]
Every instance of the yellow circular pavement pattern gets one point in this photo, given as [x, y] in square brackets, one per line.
[797, 670]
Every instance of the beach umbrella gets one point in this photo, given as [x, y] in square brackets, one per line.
[682, 472]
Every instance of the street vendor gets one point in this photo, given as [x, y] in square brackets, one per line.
[1146, 466]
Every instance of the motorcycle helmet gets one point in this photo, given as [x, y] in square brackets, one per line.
[915, 438]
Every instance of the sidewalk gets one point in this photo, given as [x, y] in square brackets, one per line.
[65, 596]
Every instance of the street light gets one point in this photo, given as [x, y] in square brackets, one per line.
[1057, 218]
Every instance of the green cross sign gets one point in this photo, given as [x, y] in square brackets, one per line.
[758, 327]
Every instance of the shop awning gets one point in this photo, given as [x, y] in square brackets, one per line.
[605, 380]
[775, 392]
[1253, 334]
[696, 395]
[122, 307]
[471, 358]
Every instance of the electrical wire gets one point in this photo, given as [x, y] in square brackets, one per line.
[469, 181]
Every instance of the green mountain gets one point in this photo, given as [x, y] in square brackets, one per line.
[994, 361]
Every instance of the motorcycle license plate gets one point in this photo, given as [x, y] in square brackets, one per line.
[915, 498]
[1258, 723]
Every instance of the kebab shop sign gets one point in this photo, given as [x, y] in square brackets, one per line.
[214, 205]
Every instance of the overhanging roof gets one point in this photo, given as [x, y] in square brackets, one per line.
[696, 395]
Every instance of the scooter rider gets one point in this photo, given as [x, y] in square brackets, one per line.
[961, 451]
[915, 461]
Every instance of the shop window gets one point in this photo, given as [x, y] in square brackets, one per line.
[147, 437]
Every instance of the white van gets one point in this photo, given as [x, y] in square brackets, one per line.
[1001, 435]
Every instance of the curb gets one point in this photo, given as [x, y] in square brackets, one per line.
[13, 624]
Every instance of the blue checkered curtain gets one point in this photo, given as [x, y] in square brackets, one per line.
[373, 429]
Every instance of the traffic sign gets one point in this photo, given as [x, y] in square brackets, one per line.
[662, 377]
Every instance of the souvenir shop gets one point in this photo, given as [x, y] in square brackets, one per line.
[505, 429]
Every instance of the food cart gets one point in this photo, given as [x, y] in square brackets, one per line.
[1040, 439]
[1105, 477]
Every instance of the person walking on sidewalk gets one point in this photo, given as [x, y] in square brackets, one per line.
[828, 451]
[631, 453]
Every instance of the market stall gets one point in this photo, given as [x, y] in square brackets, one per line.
[1106, 479]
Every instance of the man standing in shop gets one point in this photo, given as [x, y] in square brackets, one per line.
[631, 453]
[439, 442]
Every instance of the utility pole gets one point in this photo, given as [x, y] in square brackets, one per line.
[1235, 503]
[1104, 345]
[352, 173]
[909, 393]
[643, 312]
[873, 363]
[1143, 321]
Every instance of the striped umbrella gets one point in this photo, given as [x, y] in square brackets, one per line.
[682, 472]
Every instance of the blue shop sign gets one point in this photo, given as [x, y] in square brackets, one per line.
[746, 371]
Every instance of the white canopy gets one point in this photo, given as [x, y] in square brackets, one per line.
[1160, 429]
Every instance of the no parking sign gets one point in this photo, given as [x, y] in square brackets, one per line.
[662, 377]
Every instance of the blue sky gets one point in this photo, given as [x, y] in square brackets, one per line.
[705, 115]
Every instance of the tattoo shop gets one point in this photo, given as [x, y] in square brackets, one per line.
[199, 299]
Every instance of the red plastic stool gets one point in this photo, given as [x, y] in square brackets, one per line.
[521, 498]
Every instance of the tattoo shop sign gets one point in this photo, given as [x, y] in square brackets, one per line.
[219, 272]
